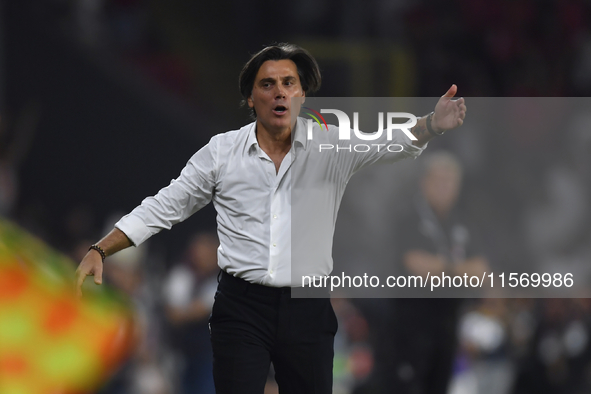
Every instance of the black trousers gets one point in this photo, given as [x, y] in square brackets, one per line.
[253, 325]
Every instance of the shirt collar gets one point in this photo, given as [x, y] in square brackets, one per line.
[298, 135]
[251, 141]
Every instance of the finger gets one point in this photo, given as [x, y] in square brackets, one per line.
[75, 286]
[79, 281]
[460, 101]
[98, 275]
[451, 92]
[460, 122]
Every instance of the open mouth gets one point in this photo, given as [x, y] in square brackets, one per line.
[280, 110]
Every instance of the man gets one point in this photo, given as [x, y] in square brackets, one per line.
[188, 293]
[247, 173]
[417, 355]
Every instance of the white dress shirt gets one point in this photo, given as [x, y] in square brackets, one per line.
[273, 226]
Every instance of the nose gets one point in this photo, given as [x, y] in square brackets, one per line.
[280, 91]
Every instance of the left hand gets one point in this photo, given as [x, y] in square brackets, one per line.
[449, 114]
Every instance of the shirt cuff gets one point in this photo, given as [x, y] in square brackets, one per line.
[134, 228]
[415, 151]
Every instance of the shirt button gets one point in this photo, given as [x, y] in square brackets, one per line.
[274, 216]
[274, 244]
[270, 271]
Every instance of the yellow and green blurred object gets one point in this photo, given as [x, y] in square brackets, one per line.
[50, 342]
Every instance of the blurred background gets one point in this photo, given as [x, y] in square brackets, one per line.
[102, 102]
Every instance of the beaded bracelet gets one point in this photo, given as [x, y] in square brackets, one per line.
[100, 250]
[430, 129]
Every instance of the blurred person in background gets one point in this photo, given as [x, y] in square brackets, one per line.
[417, 355]
[558, 356]
[483, 363]
[189, 290]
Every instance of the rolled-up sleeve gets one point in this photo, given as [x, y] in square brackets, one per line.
[187, 194]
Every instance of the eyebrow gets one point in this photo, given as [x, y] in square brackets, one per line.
[269, 79]
[264, 80]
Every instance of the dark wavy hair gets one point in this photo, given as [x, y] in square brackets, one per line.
[308, 69]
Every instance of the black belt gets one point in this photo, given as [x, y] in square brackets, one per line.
[230, 282]
[237, 285]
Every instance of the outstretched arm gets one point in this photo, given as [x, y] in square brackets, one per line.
[191, 191]
[448, 115]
